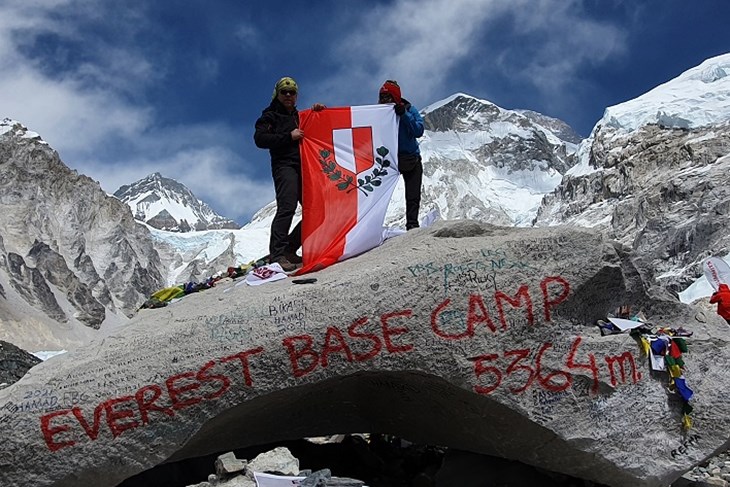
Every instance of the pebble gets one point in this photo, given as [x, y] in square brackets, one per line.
[715, 472]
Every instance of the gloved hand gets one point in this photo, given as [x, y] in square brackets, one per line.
[400, 109]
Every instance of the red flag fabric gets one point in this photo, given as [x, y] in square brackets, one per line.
[349, 171]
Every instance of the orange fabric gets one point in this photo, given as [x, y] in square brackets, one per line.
[323, 244]
[393, 89]
[722, 298]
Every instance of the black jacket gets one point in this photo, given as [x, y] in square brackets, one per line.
[273, 132]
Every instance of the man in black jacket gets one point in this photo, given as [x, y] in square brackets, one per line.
[278, 130]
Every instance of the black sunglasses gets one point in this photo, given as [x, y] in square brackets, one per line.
[287, 92]
[386, 96]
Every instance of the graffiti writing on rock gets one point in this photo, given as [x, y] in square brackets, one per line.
[523, 368]
[355, 345]
[554, 290]
[683, 449]
[288, 314]
[66, 427]
[453, 322]
[472, 273]
[38, 400]
[499, 259]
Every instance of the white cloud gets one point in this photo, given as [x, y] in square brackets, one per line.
[426, 43]
[212, 171]
[72, 120]
[248, 36]
[83, 109]
[121, 71]
[561, 41]
[417, 42]
[78, 108]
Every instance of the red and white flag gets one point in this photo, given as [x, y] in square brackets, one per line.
[349, 172]
[717, 271]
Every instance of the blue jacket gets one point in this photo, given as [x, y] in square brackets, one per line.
[409, 129]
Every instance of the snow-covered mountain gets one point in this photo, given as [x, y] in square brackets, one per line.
[72, 258]
[696, 98]
[166, 204]
[655, 175]
[487, 163]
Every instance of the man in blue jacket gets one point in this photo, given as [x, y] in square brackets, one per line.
[410, 128]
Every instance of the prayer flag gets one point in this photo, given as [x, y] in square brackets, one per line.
[717, 271]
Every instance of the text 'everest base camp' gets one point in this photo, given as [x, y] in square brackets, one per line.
[571, 333]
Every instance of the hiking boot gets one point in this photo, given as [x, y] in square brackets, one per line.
[285, 264]
[293, 258]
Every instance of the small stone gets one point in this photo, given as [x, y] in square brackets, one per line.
[227, 465]
[317, 479]
[715, 481]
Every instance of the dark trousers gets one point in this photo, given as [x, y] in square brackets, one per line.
[412, 170]
[288, 187]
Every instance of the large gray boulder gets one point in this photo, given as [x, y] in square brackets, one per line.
[465, 335]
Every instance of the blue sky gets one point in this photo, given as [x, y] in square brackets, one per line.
[123, 89]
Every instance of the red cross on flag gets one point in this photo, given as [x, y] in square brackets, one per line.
[349, 171]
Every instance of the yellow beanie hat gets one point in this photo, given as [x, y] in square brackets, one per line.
[285, 83]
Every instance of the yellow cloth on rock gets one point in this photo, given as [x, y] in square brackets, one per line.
[645, 346]
[675, 371]
[169, 293]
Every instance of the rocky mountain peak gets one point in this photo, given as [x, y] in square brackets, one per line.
[654, 175]
[71, 256]
[487, 163]
[465, 113]
[167, 204]
[460, 112]
[561, 129]
[17, 129]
